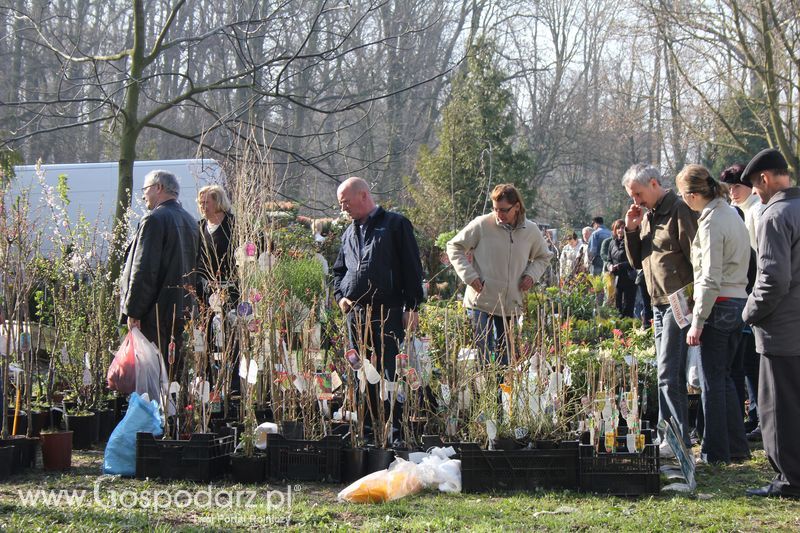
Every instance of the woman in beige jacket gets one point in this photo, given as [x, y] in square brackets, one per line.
[498, 256]
[720, 257]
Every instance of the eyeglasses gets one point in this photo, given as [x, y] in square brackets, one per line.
[148, 186]
[503, 210]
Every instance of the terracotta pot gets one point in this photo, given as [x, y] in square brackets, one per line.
[57, 450]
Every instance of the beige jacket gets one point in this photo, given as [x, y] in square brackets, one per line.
[720, 257]
[500, 257]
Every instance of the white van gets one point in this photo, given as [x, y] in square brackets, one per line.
[93, 186]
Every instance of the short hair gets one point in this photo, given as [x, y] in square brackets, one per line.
[732, 174]
[509, 193]
[585, 229]
[167, 180]
[616, 225]
[641, 174]
[697, 179]
[218, 194]
[597, 220]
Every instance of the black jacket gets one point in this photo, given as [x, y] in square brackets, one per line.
[159, 263]
[388, 271]
[215, 256]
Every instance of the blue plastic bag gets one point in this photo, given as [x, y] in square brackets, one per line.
[120, 455]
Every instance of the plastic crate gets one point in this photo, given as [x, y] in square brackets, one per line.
[526, 469]
[305, 460]
[204, 457]
[621, 474]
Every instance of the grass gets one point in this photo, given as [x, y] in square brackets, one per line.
[115, 504]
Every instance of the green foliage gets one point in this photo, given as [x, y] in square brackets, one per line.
[302, 277]
[747, 118]
[476, 148]
[442, 238]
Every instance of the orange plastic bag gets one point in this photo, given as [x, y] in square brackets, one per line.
[400, 480]
[121, 374]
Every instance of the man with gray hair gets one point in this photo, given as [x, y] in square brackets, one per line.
[159, 265]
[659, 229]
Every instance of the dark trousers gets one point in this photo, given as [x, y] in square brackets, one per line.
[625, 295]
[723, 435]
[779, 409]
[382, 332]
[490, 335]
[160, 336]
[750, 361]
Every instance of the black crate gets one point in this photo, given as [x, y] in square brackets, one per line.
[305, 460]
[621, 474]
[526, 469]
[204, 457]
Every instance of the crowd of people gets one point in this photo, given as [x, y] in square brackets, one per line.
[742, 259]
[735, 241]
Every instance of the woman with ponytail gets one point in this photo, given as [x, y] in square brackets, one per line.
[720, 257]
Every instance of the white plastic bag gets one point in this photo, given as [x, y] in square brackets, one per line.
[151, 373]
[401, 479]
[693, 367]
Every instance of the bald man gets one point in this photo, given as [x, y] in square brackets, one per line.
[378, 269]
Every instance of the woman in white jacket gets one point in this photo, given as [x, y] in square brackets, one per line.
[509, 254]
[720, 257]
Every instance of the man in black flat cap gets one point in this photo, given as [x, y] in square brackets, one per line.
[772, 309]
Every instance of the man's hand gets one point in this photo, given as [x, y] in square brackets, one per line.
[633, 217]
[410, 320]
[525, 283]
[134, 323]
[477, 284]
[345, 304]
[693, 337]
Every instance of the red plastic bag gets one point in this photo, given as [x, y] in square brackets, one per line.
[121, 374]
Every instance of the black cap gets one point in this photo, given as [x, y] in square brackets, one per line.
[767, 159]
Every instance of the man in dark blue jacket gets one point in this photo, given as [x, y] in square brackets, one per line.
[378, 270]
[159, 265]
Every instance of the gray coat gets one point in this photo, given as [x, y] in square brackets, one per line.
[774, 305]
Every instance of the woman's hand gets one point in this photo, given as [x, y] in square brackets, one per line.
[693, 337]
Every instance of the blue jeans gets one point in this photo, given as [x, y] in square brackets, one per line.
[671, 349]
[724, 436]
[490, 335]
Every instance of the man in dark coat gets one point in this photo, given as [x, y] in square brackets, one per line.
[772, 309]
[159, 266]
[378, 268]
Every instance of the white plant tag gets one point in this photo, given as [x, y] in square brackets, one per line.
[252, 372]
[243, 367]
[336, 381]
[445, 392]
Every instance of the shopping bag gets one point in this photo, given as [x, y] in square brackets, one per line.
[141, 416]
[151, 373]
[121, 375]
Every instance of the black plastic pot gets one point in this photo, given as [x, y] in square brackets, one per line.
[378, 459]
[106, 423]
[248, 469]
[292, 429]
[6, 461]
[40, 420]
[354, 464]
[84, 430]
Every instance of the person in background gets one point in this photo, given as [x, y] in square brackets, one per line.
[586, 234]
[509, 254]
[624, 274]
[659, 229]
[720, 258]
[599, 234]
[772, 310]
[747, 360]
[570, 255]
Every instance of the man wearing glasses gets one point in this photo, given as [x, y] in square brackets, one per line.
[508, 254]
[159, 264]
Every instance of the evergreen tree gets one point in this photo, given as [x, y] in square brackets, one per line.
[476, 149]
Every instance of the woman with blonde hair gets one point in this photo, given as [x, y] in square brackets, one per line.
[216, 236]
[720, 258]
